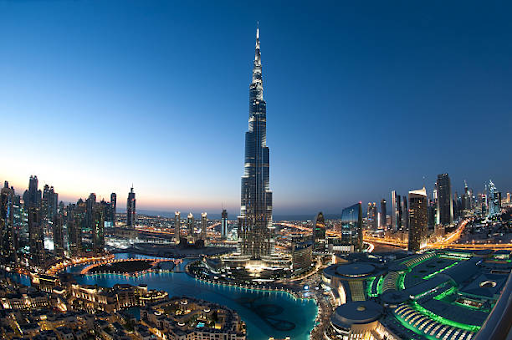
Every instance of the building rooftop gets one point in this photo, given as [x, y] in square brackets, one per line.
[356, 313]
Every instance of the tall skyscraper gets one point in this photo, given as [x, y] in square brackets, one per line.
[58, 234]
[493, 200]
[177, 227]
[418, 219]
[131, 215]
[383, 213]
[49, 203]
[352, 226]
[190, 226]
[90, 202]
[224, 224]
[396, 216]
[113, 208]
[405, 214]
[7, 233]
[371, 216]
[75, 220]
[319, 239]
[32, 200]
[98, 224]
[444, 199]
[204, 226]
[256, 201]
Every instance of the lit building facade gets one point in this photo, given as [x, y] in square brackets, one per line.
[256, 198]
[352, 227]
[302, 256]
[7, 233]
[190, 226]
[224, 224]
[418, 219]
[493, 200]
[383, 213]
[371, 216]
[319, 239]
[131, 215]
[177, 226]
[396, 212]
[32, 199]
[113, 208]
[204, 226]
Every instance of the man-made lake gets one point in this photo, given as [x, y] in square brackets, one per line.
[267, 314]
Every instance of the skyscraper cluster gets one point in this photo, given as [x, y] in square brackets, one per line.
[75, 229]
[189, 235]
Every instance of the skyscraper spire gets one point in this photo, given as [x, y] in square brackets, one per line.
[257, 79]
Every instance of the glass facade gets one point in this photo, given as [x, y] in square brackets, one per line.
[256, 202]
[352, 227]
[444, 201]
[418, 219]
[493, 200]
[131, 215]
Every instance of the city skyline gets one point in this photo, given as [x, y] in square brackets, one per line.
[176, 171]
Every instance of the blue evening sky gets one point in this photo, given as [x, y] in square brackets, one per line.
[362, 97]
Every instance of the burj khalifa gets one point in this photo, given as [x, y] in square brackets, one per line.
[255, 221]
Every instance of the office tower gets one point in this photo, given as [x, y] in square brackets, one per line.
[493, 200]
[90, 202]
[74, 221]
[352, 227]
[396, 211]
[444, 201]
[98, 224]
[319, 239]
[113, 207]
[467, 197]
[190, 226]
[107, 213]
[399, 211]
[371, 216]
[224, 224]
[508, 198]
[177, 227]
[405, 214]
[49, 203]
[418, 219]
[35, 229]
[32, 197]
[204, 225]
[7, 233]
[131, 216]
[431, 214]
[383, 213]
[19, 220]
[256, 200]
[58, 234]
